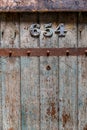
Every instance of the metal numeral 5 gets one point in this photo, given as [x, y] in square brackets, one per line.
[48, 30]
[35, 30]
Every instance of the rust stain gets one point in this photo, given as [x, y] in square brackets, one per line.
[51, 111]
[70, 26]
[85, 128]
[11, 129]
[12, 60]
[65, 117]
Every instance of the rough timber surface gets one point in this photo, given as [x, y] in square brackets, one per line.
[68, 76]
[10, 74]
[82, 74]
[29, 76]
[49, 77]
[47, 92]
[43, 5]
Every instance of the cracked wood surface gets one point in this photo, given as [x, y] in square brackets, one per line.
[29, 76]
[48, 77]
[82, 74]
[68, 76]
[43, 93]
[10, 68]
[43, 5]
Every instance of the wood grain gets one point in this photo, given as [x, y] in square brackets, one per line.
[68, 75]
[49, 77]
[10, 73]
[82, 74]
[0, 83]
[0, 96]
[29, 76]
[46, 93]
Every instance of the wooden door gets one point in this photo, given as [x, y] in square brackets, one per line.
[47, 92]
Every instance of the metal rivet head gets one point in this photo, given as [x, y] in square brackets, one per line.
[48, 52]
[10, 53]
[85, 52]
[28, 53]
[67, 52]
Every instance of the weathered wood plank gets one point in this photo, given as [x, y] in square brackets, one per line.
[48, 77]
[0, 83]
[0, 97]
[82, 74]
[68, 76]
[10, 73]
[29, 76]
[43, 5]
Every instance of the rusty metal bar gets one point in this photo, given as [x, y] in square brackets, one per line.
[42, 5]
[17, 52]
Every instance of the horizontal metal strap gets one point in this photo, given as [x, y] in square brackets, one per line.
[16, 52]
[43, 5]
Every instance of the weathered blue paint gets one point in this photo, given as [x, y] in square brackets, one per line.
[10, 74]
[82, 74]
[68, 77]
[29, 77]
[48, 78]
[46, 93]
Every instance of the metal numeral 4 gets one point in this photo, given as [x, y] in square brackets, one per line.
[61, 30]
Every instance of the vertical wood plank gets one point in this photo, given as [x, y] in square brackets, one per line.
[10, 73]
[0, 96]
[82, 73]
[0, 83]
[29, 75]
[49, 76]
[68, 75]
